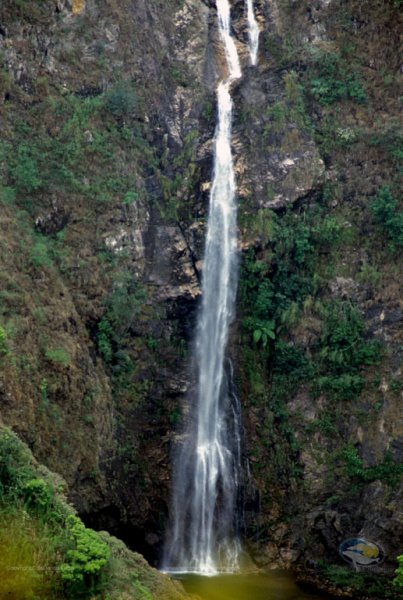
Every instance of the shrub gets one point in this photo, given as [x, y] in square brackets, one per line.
[4, 351]
[272, 292]
[123, 304]
[341, 346]
[328, 232]
[385, 213]
[398, 580]
[39, 535]
[39, 254]
[104, 338]
[25, 171]
[263, 331]
[291, 360]
[335, 80]
[388, 470]
[342, 352]
[130, 197]
[267, 289]
[38, 494]
[340, 387]
[121, 100]
[58, 356]
[85, 558]
[15, 465]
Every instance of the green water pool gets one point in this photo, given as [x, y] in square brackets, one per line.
[274, 585]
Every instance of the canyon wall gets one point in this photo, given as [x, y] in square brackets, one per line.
[107, 112]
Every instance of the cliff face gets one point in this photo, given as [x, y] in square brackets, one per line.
[322, 400]
[108, 118]
[101, 121]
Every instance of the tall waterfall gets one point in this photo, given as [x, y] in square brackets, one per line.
[203, 536]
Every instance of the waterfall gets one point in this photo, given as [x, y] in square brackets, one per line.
[202, 537]
[253, 32]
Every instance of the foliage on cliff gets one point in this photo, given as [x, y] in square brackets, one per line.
[46, 550]
[319, 359]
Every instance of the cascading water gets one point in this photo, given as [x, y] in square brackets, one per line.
[253, 31]
[202, 537]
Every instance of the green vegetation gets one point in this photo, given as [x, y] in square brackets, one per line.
[277, 288]
[274, 284]
[268, 288]
[58, 356]
[26, 557]
[342, 352]
[4, 351]
[296, 101]
[85, 557]
[284, 115]
[388, 471]
[40, 253]
[291, 361]
[114, 336]
[43, 520]
[24, 170]
[76, 151]
[46, 552]
[123, 303]
[388, 217]
[177, 178]
[398, 581]
[121, 100]
[130, 197]
[104, 340]
[334, 79]
[15, 466]
[122, 306]
[280, 292]
[388, 136]
[372, 585]
[39, 495]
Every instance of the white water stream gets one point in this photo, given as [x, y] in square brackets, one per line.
[253, 32]
[203, 538]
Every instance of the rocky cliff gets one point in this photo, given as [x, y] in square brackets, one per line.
[107, 112]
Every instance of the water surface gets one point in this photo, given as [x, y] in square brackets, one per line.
[274, 585]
